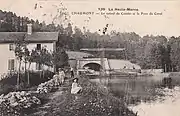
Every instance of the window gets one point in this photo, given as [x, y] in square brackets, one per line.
[11, 47]
[38, 46]
[11, 64]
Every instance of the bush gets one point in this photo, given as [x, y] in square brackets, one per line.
[14, 103]
[5, 89]
[9, 83]
[35, 78]
[91, 102]
[10, 79]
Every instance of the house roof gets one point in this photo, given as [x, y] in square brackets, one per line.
[9, 37]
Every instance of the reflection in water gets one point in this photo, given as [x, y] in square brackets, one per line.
[138, 93]
[168, 107]
[132, 89]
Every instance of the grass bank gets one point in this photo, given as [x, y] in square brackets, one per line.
[9, 83]
[93, 101]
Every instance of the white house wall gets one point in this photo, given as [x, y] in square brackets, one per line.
[33, 67]
[49, 46]
[5, 54]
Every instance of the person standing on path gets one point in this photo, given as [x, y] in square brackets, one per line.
[72, 72]
[57, 79]
[62, 75]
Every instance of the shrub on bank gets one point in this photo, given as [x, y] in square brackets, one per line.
[46, 87]
[93, 101]
[175, 76]
[14, 103]
[9, 83]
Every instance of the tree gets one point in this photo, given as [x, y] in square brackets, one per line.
[174, 43]
[45, 58]
[42, 57]
[21, 53]
[156, 55]
[36, 26]
[77, 39]
[68, 30]
[33, 55]
[60, 58]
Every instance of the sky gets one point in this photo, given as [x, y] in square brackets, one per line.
[167, 24]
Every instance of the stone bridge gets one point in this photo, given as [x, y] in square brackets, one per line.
[93, 63]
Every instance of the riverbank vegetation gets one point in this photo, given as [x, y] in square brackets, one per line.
[94, 100]
[89, 102]
[9, 83]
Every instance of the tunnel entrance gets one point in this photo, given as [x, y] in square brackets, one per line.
[93, 66]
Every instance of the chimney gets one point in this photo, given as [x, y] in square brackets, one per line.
[29, 29]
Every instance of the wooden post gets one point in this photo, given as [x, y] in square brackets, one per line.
[77, 67]
[25, 72]
[102, 63]
[54, 50]
[165, 70]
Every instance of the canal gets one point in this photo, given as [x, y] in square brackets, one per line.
[145, 95]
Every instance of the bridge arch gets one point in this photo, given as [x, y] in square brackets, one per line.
[93, 65]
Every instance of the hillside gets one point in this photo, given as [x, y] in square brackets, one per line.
[148, 51]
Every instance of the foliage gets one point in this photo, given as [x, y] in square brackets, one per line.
[148, 51]
[86, 104]
[8, 84]
[15, 102]
[21, 50]
[60, 58]
[42, 56]
[21, 53]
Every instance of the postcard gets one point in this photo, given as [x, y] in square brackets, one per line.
[90, 58]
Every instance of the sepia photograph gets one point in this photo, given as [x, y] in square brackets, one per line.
[89, 58]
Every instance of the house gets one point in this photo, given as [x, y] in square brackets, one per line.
[37, 40]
